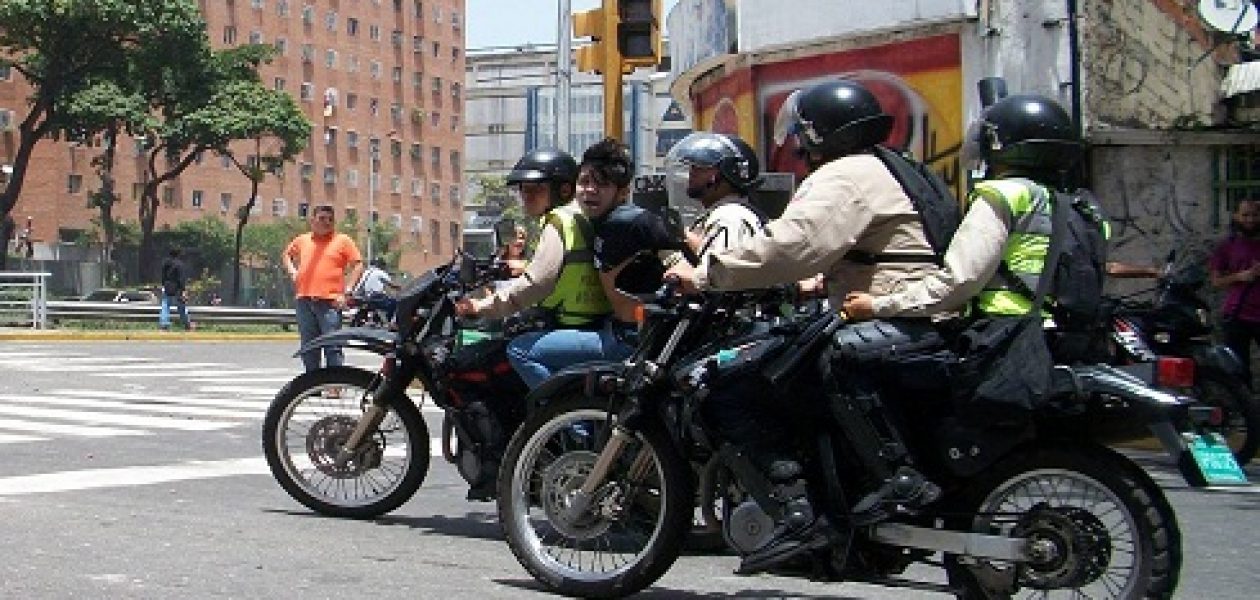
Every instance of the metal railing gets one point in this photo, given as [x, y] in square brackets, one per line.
[146, 311]
[24, 299]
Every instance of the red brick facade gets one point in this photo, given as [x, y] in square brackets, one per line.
[360, 69]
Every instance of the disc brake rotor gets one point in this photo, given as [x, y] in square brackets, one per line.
[560, 482]
[325, 440]
[1069, 547]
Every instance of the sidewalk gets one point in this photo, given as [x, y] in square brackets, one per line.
[17, 334]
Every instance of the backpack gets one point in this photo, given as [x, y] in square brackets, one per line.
[932, 198]
[1076, 260]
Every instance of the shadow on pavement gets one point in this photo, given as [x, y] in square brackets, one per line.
[664, 593]
[475, 525]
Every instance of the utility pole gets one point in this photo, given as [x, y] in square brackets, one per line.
[564, 76]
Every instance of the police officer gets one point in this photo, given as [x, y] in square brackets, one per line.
[560, 280]
[849, 210]
[1026, 145]
[719, 171]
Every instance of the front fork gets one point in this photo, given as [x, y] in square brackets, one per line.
[391, 383]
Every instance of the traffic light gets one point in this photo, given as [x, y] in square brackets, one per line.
[600, 25]
[639, 32]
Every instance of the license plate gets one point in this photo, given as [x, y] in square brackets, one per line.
[1216, 461]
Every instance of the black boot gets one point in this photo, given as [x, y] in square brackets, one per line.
[907, 488]
[800, 532]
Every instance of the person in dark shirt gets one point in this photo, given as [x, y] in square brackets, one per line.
[174, 291]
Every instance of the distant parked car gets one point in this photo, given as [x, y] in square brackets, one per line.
[111, 295]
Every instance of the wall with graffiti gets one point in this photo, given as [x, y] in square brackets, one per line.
[918, 81]
[1148, 64]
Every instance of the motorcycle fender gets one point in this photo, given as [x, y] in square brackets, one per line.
[372, 339]
[575, 379]
[1219, 357]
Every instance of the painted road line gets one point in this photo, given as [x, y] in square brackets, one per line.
[65, 429]
[170, 409]
[11, 438]
[78, 360]
[165, 399]
[167, 368]
[87, 479]
[34, 412]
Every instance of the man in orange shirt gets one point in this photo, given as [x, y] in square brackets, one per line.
[317, 263]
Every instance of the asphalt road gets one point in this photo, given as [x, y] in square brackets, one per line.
[134, 470]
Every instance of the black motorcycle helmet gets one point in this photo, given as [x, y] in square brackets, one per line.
[734, 159]
[546, 165]
[833, 119]
[1028, 133]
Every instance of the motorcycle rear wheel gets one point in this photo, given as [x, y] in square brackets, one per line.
[1115, 533]
[1241, 427]
[308, 423]
[633, 531]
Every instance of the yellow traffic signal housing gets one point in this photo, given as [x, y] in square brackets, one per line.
[599, 24]
[639, 32]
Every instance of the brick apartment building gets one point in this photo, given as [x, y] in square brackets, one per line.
[365, 72]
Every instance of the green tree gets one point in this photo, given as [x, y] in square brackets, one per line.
[224, 101]
[261, 248]
[61, 47]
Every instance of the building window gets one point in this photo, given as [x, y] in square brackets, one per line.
[330, 21]
[1239, 178]
[396, 221]
[375, 69]
[454, 235]
[456, 163]
[455, 123]
[330, 59]
[417, 79]
[197, 197]
[374, 32]
[395, 148]
[304, 209]
[352, 26]
[455, 196]
[352, 139]
[417, 151]
[396, 38]
[278, 84]
[455, 53]
[435, 160]
[397, 75]
[352, 63]
[74, 183]
[437, 49]
[255, 37]
[330, 175]
[352, 100]
[282, 8]
[395, 113]
[417, 9]
[395, 184]
[417, 188]
[279, 207]
[308, 14]
[169, 199]
[281, 45]
[258, 4]
[225, 203]
[352, 178]
[308, 91]
[435, 192]
[229, 34]
[308, 53]
[455, 22]
[417, 225]
[306, 171]
[417, 43]
[6, 72]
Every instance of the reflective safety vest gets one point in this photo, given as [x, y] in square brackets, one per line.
[578, 300]
[1027, 244]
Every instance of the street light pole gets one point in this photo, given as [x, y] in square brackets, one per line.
[374, 151]
[564, 75]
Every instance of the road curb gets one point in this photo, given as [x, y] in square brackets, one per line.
[139, 336]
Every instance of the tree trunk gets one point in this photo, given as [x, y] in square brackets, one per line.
[105, 201]
[30, 131]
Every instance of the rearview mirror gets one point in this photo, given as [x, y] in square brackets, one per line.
[504, 231]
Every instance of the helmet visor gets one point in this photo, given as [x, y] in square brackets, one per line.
[788, 121]
[702, 149]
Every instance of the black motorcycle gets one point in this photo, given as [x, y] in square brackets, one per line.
[1173, 320]
[370, 311]
[349, 442]
[596, 490]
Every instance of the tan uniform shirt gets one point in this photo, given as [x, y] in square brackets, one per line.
[536, 282]
[973, 257]
[849, 203]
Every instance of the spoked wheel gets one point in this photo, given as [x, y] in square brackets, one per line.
[1241, 419]
[1098, 526]
[309, 423]
[634, 526]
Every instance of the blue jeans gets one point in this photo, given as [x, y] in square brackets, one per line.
[164, 317]
[315, 317]
[538, 354]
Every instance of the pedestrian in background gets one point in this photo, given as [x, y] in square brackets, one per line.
[174, 291]
[1234, 267]
[512, 252]
[318, 263]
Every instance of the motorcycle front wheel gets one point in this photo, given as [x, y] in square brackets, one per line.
[1241, 415]
[634, 527]
[309, 422]
[1097, 526]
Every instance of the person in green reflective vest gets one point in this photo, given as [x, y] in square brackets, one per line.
[560, 282]
[1027, 144]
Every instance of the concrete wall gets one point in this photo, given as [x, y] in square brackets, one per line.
[765, 23]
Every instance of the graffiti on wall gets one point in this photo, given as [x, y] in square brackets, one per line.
[919, 82]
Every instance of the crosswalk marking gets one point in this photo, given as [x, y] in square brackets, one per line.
[257, 406]
[86, 479]
[173, 409]
[65, 429]
[9, 438]
[112, 419]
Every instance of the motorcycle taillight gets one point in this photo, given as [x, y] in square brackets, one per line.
[1174, 372]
